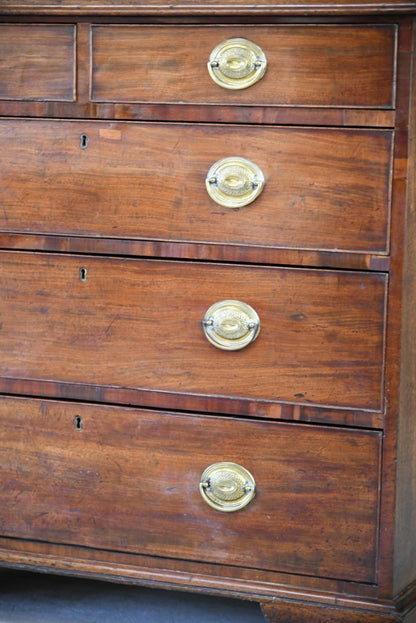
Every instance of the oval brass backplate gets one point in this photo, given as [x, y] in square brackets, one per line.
[231, 325]
[227, 486]
[237, 63]
[234, 182]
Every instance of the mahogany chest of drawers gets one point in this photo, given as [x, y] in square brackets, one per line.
[208, 290]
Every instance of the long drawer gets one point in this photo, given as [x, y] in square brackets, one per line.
[323, 188]
[138, 324]
[313, 65]
[127, 480]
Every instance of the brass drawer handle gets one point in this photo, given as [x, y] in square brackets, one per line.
[237, 63]
[227, 486]
[234, 182]
[231, 325]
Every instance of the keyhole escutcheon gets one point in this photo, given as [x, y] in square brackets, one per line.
[78, 425]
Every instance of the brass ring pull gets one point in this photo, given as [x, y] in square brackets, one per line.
[231, 325]
[234, 182]
[237, 63]
[227, 486]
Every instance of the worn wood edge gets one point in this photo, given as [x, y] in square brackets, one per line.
[284, 611]
[275, 600]
[406, 600]
[311, 584]
[271, 594]
[245, 254]
[69, 7]
[254, 590]
[405, 551]
[174, 401]
[197, 112]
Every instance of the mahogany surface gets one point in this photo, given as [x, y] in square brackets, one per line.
[312, 324]
[207, 7]
[146, 64]
[48, 74]
[324, 189]
[112, 401]
[146, 498]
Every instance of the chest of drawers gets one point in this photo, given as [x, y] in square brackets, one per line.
[207, 314]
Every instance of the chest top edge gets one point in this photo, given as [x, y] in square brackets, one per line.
[207, 7]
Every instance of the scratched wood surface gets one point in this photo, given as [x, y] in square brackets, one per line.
[137, 324]
[37, 62]
[306, 65]
[128, 481]
[324, 188]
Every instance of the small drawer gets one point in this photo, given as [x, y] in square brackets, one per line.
[326, 189]
[37, 62]
[129, 480]
[149, 324]
[320, 65]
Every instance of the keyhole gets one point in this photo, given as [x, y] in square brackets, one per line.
[84, 141]
[83, 274]
[78, 422]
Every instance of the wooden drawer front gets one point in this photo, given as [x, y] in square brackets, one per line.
[137, 323]
[128, 481]
[37, 62]
[324, 188]
[306, 65]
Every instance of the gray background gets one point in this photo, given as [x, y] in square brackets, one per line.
[39, 598]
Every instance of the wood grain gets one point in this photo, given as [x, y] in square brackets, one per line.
[319, 407]
[137, 324]
[207, 7]
[326, 189]
[128, 481]
[197, 251]
[286, 612]
[405, 547]
[306, 65]
[195, 113]
[37, 62]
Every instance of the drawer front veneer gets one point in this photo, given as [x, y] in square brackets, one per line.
[323, 188]
[321, 65]
[126, 480]
[138, 324]
[37, 62]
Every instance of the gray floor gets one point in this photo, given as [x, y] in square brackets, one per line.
[37, 598]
